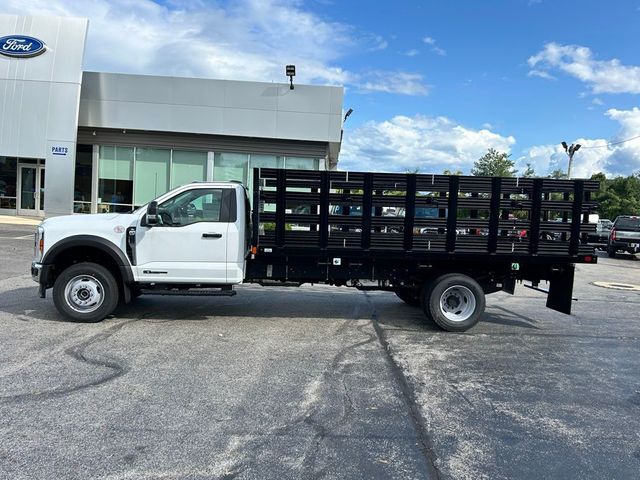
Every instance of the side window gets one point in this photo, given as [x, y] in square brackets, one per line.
[192, 206]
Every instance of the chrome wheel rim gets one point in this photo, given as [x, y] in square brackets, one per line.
[84, 293]
[457, 303]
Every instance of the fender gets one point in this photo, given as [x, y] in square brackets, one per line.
[100, 243]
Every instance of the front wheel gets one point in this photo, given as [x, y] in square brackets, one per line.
[454, 301]
[85, 292]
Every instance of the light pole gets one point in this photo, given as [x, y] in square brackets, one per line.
[570, 152]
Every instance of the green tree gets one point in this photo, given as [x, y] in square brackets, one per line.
[617, 196]
[446, 171]
[558, 174]
[529, 171]
[494, 164]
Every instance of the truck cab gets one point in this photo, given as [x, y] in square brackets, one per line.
[195, 236]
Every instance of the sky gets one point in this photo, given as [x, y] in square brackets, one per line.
[432, 84]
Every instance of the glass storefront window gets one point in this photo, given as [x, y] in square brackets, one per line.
[266, 161]
[115, 181]
[83, 175]
[187, 167]
[8, 176]
[151, 174]
[301, 163]
[230, 166]
[133, 176]
[262, 161]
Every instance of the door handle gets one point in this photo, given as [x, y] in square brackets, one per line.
[211, 235]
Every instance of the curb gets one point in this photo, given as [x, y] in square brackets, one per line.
[13, 220]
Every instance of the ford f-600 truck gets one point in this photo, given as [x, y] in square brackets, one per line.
[206, 237]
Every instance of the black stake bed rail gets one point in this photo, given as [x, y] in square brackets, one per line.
[424, 217]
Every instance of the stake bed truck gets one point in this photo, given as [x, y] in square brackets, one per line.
[439, 242]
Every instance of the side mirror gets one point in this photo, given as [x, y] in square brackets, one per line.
[152, 213]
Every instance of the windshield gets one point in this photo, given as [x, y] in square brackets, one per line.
[629, 223]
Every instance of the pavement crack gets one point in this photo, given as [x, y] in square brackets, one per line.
[408, 395]
[331, 380]
[331, 375]
[77, 352]
[462, 395]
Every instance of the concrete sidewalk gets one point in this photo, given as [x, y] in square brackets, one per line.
[15, 220]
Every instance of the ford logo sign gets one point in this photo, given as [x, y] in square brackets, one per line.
[21, 46]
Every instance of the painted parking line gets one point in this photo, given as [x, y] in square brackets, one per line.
[617, 286]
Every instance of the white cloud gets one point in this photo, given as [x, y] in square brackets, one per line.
[411, 53]
[603, 76]
[393, 82]
[379, 43]
[247, 40]
[541, 74]
[430, 144]
[596, 155]
[434, 48]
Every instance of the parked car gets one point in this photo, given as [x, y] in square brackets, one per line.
[600, 237]
[625, 235]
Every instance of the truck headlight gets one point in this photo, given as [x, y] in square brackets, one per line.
[38, 248]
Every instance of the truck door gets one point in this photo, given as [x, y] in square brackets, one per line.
[189, 243]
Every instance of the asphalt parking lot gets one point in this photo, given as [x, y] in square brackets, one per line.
[319, 382]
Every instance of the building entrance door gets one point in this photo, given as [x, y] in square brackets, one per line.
[31, 190]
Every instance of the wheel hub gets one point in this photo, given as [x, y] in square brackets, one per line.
[457, 303]
[452, 301]
[84, 293]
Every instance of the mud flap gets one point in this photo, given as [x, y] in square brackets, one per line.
[126, 294]
[509, 286]
[561, 290]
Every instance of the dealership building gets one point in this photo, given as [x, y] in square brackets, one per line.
[89, 142]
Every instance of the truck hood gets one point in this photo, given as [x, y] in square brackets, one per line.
[101, 224]
[80, 219]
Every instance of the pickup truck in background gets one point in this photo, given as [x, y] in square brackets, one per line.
[624, 235]
[203, 239]
[600, 238]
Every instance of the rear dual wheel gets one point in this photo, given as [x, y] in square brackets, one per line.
[455, 302]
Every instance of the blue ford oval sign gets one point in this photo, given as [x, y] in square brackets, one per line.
[21, 46]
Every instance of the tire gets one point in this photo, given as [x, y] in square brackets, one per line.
[410, 296]
[455, 302]
[85, 292]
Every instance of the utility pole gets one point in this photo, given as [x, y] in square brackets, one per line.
[570, 152]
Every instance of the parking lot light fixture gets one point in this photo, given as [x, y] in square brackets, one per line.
[291, 72]
[570, 152]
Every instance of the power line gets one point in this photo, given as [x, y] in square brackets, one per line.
[614, 143]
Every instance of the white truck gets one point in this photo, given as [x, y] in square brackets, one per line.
[202, 239]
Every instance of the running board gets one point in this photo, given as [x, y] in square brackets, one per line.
[192, 292]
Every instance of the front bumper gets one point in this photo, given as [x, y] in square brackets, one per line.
[41, 274]
[36, 271]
